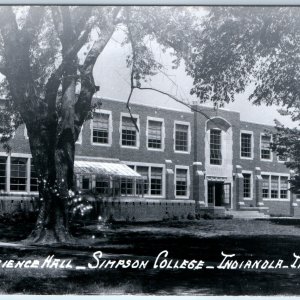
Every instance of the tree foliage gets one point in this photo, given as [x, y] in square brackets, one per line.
[239, 45]
[258, 45]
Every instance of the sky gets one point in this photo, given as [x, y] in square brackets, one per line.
[112, 75]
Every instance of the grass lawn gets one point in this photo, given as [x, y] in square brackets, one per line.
[198, 240]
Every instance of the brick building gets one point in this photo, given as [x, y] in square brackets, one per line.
[189, 164]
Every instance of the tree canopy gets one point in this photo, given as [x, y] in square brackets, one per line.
[239, 45]
[47, 56]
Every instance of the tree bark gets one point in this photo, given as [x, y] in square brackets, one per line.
[55, 173]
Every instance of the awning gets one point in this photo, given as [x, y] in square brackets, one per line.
[105, 169]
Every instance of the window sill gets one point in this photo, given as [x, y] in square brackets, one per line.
[247, 158]
[182, 152]
[276, 199]
[130, 147]
[155, 149]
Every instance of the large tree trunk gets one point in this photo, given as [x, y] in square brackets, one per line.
[54, 163]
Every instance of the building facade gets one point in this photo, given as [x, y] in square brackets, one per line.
[192, 162]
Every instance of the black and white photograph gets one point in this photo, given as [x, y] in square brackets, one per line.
[149, 150]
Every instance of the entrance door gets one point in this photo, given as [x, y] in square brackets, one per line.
[219, 194]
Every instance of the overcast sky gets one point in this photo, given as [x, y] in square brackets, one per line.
[113, 77]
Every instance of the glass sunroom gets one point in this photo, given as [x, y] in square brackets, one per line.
[108, 179]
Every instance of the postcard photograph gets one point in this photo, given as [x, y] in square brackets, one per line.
[149, 150]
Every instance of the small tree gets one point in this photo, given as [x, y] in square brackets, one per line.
[47, 55]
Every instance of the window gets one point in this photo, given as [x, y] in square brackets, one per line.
[181, 137]
[265, 186]
[215, 147]
[152, 183]
[144, 172]
[102, 186]
[155, 134]
[283, 187]
[3, 173]
[18, 174]
[129, 132]
[156, 181]
[274, 187]
[246, 145]
[126, 186]
[247, 185]
[85, 184]
[265, 151]
[282, 158]
[277, 185]
[181, 182]
[34, 187]
[101, 128]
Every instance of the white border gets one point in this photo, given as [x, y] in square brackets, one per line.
[252, 144]
[271, 152]
[251, 185]
[137, 117]
[163, 134]
[188, 181]
[189, 137]
[110, 128]
[279, 175]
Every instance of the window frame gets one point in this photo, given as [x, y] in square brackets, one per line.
[221, 147]
[162, 121]
[260, 148]
[188, 136]
[110, 128]
[27, 178]
[181, 167]
[151, 165]
[252, 144]
[270, 174]
[251, 184]
[6, 173]
[137, 117]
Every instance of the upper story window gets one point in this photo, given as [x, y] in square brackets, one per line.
[101, 128]
[3, 173]
[129, 133]
[18, 174]
[265, 150]
[215, 147]
[181, 182]
[181, 137]
[246, 145]
[155, 134]
[282, 158]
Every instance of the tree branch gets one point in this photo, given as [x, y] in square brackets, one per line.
[32, 23]
[88, 88]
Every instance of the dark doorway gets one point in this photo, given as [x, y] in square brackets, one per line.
[219, 193]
